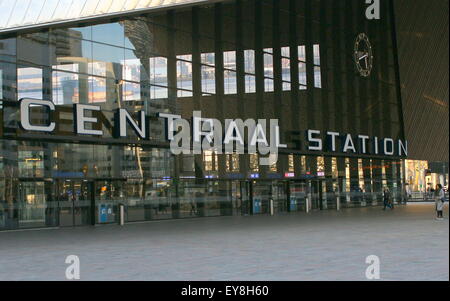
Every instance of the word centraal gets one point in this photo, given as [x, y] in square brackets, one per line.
[210, 134]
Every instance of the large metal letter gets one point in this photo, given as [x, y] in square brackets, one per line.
[124, 116]
[25, 115]
[81, 119]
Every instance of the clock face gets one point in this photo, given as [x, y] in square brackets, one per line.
[363, 55]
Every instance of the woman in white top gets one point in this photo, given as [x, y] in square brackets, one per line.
[439, 200]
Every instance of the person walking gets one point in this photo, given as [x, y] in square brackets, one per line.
[386, 198]
[439, 200]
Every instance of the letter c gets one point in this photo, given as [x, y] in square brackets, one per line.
[25, 115]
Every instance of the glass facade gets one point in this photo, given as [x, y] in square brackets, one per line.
[281, 59]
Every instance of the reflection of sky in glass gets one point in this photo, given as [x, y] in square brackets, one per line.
[97, 93]
[316, 51]
[131, 91]
[250, 84]
[184, 75]
[229, 60]
[301, 53]
[29, 83]
[230, 82]
[158, 71]
[65, 88]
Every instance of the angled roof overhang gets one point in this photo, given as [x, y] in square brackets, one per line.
[17, 15]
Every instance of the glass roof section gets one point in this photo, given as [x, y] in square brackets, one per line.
[15, 14]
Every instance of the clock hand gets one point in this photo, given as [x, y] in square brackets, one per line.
[364, 56]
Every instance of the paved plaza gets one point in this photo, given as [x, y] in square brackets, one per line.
[326, 245]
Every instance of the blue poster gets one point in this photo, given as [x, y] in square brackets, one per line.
[256, 206]
[103, 213]
[293, 204]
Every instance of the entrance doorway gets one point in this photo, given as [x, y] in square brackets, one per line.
[240, 197]
[324, 194]
[76, 202]
[298, 191]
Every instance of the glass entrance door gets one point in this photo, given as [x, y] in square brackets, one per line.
[324, 194]
[298, 193]
[317, 195]
[279, 196]
[75, 201]
[261, 196]
[240, 197]
[31, 204]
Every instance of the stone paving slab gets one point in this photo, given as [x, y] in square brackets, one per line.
[324, 245]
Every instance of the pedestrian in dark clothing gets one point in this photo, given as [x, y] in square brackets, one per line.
[439, 200]
[387, 199]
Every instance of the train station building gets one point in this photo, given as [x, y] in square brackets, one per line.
[84, 86]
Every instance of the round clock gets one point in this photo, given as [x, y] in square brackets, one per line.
[363, 55]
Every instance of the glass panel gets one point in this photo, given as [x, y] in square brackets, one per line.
[8, 50]
[285, 52]
[286, 69]
[268, 85]
[208, 73]
[34, 48]
[109, 60]
[250, 84]
[158, 71]
[301, 53]
[261, 196]
[29, 83]
[298, 193]
[230, 82]
[97, 91]
[68, 48]
[268, 65]
[131, 67]
[159, 196]
[316, 51]
[131, 91]
[184, 75]
[302, 74]
[249, 61]
[207, 58]
[317, 77]
[279, 197]
[208, 79]
[157, 92]
[31, 204]
[111, 33]
[229, 60]
[8, 81]
[191, 199]
[65, 88]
